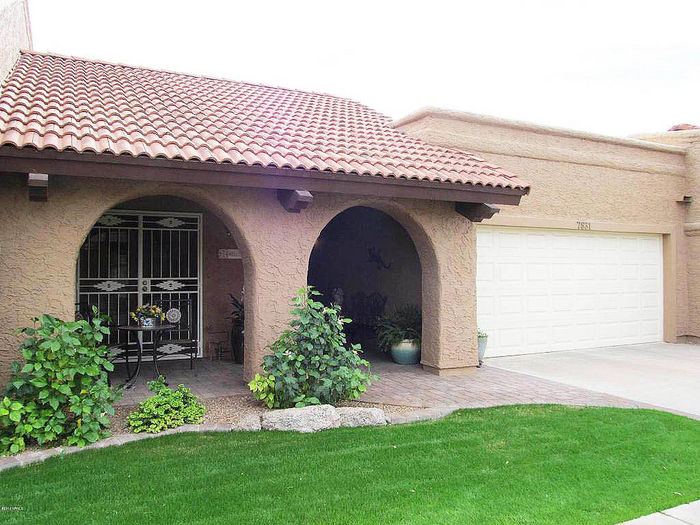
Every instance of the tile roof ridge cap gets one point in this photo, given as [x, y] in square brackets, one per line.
[193, 75]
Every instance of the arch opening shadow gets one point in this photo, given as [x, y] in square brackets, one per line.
[367, 262]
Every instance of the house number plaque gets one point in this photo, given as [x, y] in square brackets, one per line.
[229, 253]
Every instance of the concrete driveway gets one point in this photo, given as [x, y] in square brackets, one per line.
[661, 374]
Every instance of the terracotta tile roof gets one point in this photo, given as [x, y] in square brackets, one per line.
[67, 103]
[683, 127]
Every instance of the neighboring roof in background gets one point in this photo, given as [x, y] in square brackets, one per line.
[67, 103]
[683, 127]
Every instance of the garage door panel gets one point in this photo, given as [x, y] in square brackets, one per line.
[543, 290]
[509, 304]
[487, 272]
[509, 271]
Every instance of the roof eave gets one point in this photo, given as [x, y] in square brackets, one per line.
[70, 163]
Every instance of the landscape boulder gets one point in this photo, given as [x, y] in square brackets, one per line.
[304, 419]
[248, 423]
[361, 417]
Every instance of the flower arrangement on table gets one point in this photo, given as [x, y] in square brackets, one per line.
[147, 315]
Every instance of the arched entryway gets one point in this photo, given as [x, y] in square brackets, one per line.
[366, 261]
[164, 250]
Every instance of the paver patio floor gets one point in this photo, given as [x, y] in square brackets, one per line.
[398, 385]
[484, 387]
[210, 379]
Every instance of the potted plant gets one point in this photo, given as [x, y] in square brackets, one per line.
[148, 315]
[237, 322]
[483, 339]
[400, 333]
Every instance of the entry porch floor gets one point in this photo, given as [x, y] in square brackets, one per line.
[401, 385]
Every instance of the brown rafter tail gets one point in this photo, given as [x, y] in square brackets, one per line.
[294, 200]
[38, 187]
[476, 212]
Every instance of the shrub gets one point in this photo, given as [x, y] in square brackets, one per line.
[14, 428]
[311, 362]
[403, 323]
[168, 408]
[60, 394]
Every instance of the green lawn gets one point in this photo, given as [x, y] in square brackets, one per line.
[531, 464]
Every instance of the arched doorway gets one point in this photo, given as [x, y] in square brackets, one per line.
[365, 260]
[163, 249]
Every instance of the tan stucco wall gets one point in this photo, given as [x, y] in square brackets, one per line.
[39, 243]
[14, 33]
[613, 184]
[221, 278]
[692, 231]
[689, 140]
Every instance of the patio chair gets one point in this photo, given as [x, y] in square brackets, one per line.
[181, 340]
[219, 344]
[364, 309]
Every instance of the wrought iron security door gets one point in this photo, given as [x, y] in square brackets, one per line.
[132, 258]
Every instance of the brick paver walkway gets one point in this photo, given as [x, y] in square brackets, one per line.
[484, 387]
[398, 385]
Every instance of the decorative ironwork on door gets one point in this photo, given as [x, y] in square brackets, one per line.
[132, 258]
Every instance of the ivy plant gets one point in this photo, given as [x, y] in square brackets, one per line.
[167, 408]
[311, 362]
[60, 394]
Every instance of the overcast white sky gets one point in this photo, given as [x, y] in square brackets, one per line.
[614, 67]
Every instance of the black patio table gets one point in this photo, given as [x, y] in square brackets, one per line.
[158, 331]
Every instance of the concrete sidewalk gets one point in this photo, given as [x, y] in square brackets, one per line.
[688, 514]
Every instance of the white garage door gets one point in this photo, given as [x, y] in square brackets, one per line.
[542, 290]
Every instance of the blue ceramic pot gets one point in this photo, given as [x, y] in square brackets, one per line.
[407, 352]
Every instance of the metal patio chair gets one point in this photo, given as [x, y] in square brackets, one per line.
[182, 339]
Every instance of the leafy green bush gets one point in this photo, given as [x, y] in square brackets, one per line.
[60, 394]
[11, 418]
[311, 363]
[403, 323]
[168, 408]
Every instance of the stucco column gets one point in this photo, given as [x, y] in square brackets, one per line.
[279, 245]
[692, 230]
[449, 296]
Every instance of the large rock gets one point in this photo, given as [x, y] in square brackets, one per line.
[361, 417]
[248, 423]
[305, 419]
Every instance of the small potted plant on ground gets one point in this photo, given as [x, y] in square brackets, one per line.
[148, 315]
[400, 333]
[483, 339]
